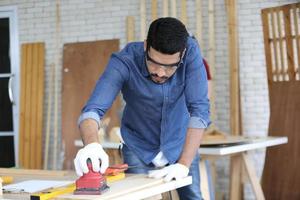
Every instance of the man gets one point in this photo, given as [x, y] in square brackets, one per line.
[164, 85]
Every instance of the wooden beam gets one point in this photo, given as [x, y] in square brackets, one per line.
[56, 90]
[130, 28]
[253, 177]
[235, 123]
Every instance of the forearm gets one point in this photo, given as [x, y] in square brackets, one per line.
[191, 146]
[89, 131]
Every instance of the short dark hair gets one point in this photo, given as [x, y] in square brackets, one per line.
[167, 35]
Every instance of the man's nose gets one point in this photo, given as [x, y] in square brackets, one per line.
[161, 72]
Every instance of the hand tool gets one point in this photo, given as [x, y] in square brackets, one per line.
[91, 183]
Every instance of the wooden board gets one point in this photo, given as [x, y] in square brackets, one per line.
[134, 187]
[31, 111]
[83, 63]
[281, 177]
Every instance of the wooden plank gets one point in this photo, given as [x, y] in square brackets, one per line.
[153, 10]
[81, 74]
[40, 101]
[173, 8]
[143, 19]
[235, 121]
[165, 12]
[33, 172]
[134, 187]
[183, 17]
[33, 104]
[28, 106]
[130, 28]
[281, 177]
[253, 177]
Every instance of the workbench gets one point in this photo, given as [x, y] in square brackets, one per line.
[238, 153]
[134, 186]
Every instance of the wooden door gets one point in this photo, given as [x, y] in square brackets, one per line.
[83, 63]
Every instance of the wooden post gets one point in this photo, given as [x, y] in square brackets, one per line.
[143, 19]
[154, 9]
[234, 68]
[235, 122]
[173, 8]
[235, 192]
[55, 120]
[130, 28]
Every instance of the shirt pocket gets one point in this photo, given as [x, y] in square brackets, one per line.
[176, 92]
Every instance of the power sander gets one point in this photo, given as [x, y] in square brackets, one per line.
[92, 183]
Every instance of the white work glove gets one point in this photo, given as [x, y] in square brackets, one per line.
[95, 152]
[177, 171]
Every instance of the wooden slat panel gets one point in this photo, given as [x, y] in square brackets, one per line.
[281, 177]
[31, 105]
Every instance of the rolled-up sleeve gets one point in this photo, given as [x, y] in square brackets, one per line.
[196, 90]
[107, 88]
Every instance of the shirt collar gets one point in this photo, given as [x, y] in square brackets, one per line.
[145, 71]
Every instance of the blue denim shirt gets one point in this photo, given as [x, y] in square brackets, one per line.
[156, 116]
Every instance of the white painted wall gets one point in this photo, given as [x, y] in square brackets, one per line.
[89, 20]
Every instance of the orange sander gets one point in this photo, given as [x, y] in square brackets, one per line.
[94, 183]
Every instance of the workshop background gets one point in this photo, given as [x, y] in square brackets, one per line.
[93, 20]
